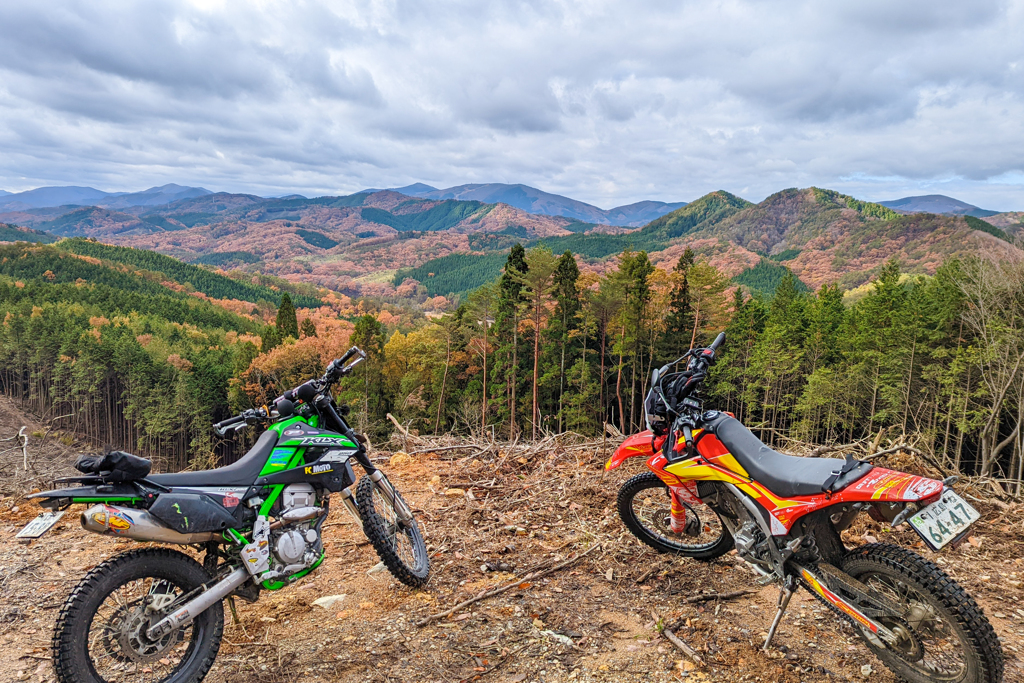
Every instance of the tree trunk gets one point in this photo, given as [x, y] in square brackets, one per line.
[536, 364]
[618, 390]
[444, 380]
[483, 410]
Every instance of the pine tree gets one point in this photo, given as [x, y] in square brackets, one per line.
[369, 336]
[563, 322]
[537, 282]
[637, 330]
[674, 340]
[287, 324]
[506, 333]
[271, 338]
[308, 328]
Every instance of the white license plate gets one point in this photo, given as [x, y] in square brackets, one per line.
[40, 525]
[944, 520]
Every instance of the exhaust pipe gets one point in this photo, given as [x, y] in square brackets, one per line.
[111, 520]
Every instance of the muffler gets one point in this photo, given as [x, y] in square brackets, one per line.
[139, 525]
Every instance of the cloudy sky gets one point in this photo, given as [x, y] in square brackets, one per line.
[606, 101]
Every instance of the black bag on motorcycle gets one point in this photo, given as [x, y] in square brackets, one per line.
[114, 466]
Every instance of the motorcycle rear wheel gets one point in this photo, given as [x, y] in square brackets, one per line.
[99, 635]
[949, 640]
[645, 506]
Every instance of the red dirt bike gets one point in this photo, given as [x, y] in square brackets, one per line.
[714, 486]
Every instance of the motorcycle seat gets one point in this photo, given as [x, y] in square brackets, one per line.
[241, 473]
[784, 475]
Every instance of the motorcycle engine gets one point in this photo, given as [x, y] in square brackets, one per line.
[297, 544]
[751, 543]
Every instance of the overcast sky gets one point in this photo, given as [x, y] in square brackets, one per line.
[607, 102]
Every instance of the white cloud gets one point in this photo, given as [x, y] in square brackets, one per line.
[609, 102]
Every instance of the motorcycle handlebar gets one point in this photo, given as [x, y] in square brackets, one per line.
[230, 422]
[718, 341]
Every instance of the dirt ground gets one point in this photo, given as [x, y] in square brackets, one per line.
[594, 620]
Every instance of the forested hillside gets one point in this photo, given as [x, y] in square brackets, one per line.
[821, 235]
[133, 348]
[211, 284]
[119, 358]
[525, 332]
[12, 233]
[933, 356]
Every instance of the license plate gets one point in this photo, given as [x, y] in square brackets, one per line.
[945, 520]
[40, 525]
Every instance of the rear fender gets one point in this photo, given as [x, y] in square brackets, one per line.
[889, 486]
[887, 492]
[634, 446]
[125, 493]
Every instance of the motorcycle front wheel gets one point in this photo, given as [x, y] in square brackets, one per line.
[398, 542]
[100, 632]
[645, 507]
[945, 635]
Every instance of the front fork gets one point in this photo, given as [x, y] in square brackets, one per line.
[388, 491]
[678, 519]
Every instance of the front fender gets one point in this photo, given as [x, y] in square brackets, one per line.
[635, 446]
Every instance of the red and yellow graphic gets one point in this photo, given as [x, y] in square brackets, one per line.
[714, 462]
[113, 519]
[837, 601]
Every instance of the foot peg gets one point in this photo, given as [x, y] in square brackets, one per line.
[788, 588]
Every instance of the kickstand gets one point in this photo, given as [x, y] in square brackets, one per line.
[788, 588]
[234, 615]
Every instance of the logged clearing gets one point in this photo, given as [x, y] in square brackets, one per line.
[491, 520]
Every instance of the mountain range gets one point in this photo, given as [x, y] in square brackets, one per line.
[389, 243]
[45, 197]
[532, 200]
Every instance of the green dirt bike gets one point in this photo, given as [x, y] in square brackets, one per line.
[155, 614]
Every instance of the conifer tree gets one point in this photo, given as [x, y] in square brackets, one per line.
[674, 340]
[287, 324]
[271, 338]
[308, 328]
[563, 322]
[537, 283]
[506, 332]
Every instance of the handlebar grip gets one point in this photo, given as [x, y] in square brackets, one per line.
[348, 354]
[718, 341]
[230, 421]
[222, 426]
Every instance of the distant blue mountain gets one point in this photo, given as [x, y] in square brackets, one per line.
[936, 203]
[154, 196]
[537, 201]
[523, 197]
[52, 196]
[43, 197]
[415, 189]
[4, 193]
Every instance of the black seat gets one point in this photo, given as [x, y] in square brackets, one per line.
[241, 473]
[784, 475]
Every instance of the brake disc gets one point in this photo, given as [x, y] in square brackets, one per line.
[134, 643]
